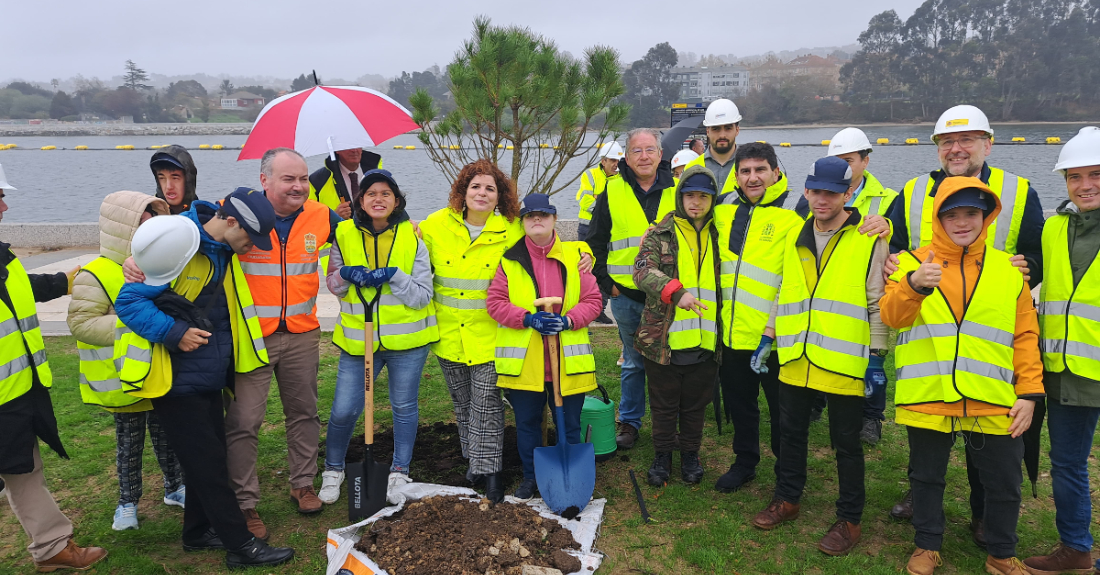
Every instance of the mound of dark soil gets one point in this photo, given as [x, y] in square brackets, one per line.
[452, 535]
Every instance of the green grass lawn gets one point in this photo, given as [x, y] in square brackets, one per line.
[695, 529]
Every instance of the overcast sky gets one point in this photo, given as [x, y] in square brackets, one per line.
[343, 38]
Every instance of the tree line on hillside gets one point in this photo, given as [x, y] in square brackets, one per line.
[1016, 59]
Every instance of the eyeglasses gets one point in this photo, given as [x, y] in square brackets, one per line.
[966, 142]
[646, 151]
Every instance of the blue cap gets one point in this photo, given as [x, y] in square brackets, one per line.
[699, 183]
[254, 213]
[831, 174]
[968, 198]
[165, 161]
[537, 203]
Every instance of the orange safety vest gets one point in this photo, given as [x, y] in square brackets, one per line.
[284, 281]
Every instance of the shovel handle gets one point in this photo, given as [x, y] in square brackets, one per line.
[547, 305]
[368, 368]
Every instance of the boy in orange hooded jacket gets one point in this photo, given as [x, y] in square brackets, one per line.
[968, 363]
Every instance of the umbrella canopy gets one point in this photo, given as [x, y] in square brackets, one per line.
[673, 139]
[325, 119]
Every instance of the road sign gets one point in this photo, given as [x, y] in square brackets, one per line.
[682, 111]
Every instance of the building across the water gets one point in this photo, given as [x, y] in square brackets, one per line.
[710, 83]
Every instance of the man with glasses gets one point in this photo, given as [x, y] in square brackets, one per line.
[632, 203]
[964, 141]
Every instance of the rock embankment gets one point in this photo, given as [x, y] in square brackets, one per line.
[82, 129]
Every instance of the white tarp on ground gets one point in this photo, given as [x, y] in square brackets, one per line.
[344, 559]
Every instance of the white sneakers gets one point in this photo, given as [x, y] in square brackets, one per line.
[125, 517]
[330, 486]
[395, 481]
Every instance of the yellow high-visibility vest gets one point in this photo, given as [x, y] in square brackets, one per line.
[1003, 234]
[1069, 315]
[593, 183]
[21, 345]
[519, 353]
[941, 359]
[688, 330]
[99, 381]
[823, 315]
[628, 224]
[397, 326]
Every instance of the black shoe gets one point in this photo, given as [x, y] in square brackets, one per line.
[903, 510]
[815, 413]
[602, 318]
[526, 490]
[977, 532]
[257, 553]
[475, 479]
[691, 470]
[660, 470]
[209, 541]
[734, 479]
[871, 432]
[494, 488]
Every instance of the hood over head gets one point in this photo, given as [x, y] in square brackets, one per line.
[397, 216]
[119, 217]
[688, 173]
[941, 244]
[190, 174]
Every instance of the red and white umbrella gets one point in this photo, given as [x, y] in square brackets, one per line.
[324, 119]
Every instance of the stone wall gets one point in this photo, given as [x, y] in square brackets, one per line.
[82, 129]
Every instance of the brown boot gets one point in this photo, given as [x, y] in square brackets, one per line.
[625, 436]
[72, 557]
[1009, 566]
[923, 562]
[977, 532]
[307, 500]
[903, 510]
[255, 524]
[1063, 559]
[840, 539]
[777, 512]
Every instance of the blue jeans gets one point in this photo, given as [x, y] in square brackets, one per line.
[405, 370]
[1071, 431]
[628, 313]
[528, 408]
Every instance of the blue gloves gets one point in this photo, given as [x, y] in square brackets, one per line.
[875, 377]
[759, 359]
[365, 277]
[544, 322]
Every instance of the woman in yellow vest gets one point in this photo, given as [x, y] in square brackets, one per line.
[968, 363]
[542, 266]
[678, 268]
[377, 257]
[466, 241]
[92, 321]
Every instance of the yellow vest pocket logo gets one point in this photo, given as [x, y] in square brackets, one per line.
[768, 234]
[311, 243]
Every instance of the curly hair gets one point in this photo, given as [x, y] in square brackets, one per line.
[507, 202]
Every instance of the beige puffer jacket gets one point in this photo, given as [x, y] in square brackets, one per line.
[91, 314]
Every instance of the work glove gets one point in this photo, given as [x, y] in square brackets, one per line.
[874, 379]
[365, 277]
[759, 359]
[544, 322]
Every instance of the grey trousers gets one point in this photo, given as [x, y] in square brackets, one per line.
[479, 410]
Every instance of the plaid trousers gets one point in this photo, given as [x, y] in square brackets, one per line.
[479, 410]
[130, 431]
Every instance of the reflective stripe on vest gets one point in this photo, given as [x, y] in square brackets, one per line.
[99, 381]
[20, 336]
[285, 280]
[396, 326]
[688, 330]
[1003, 234]
[628, 224]
[940, 360]
[751, 280]
[512, 345]
[828, 324]
[1069, 312]
[593, 182]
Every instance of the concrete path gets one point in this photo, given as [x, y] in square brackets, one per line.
[52, 314]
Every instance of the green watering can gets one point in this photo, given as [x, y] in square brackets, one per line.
[600, 414]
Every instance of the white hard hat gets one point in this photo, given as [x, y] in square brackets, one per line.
[682, 158]
[4, 185]
[163, 245]
[612, 150]
[1082, 150]
[721, 112]
[964, 118]
[849, 140]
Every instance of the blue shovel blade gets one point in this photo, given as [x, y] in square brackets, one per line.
[566, 474]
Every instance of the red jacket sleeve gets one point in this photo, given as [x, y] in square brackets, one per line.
[498, 305]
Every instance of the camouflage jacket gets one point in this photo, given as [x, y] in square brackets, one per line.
[655, 266]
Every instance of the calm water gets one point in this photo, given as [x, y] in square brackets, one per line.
[68, 185]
